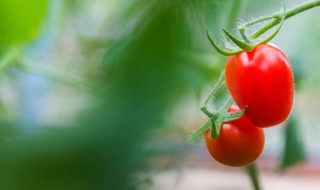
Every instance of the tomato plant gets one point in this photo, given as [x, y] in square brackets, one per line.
[262, 80]
[20, 20]
[239, 143]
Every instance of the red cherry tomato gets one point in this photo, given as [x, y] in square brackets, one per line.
[239, 143]
[261, 79]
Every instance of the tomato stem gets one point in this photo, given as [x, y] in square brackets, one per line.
[214, 89]
[217, 117]
[249, 43]
[196, 135]
[239, 43]
[223, 51]
[233, 116]
[253, 174]
[205, 110]
[215, 129]
[275, 17]
[275, 20]
[244, 35]
[227, 105]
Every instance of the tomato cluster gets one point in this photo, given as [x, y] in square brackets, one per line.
[261, 81]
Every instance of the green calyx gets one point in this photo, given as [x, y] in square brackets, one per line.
[216, 117]
[247, 43]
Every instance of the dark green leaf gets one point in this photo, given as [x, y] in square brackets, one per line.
[294, 151]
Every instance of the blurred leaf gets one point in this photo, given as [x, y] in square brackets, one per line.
[20, 20]
[294, 151]
[146, 76]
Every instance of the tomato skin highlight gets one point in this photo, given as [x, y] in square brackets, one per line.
[239, 143]
[261, 79]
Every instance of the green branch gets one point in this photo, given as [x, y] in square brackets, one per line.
[277, 17]
[214, 89]
[253, 174]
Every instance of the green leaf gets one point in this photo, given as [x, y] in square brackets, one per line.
[294, 150]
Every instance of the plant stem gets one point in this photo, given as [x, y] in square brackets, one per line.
[253, 174]
[244, 36]
[214, 89]
[276, 17]
[196, 135]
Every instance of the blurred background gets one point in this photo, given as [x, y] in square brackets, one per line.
[103, 94]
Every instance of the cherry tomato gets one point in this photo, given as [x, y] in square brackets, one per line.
[239, 143]
[261, 79]
[20, 19]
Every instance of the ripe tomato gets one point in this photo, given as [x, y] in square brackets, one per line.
[239, 143]
[20, 19]
[261, 79]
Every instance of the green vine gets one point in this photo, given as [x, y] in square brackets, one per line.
[249, 42]
[276, 17]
